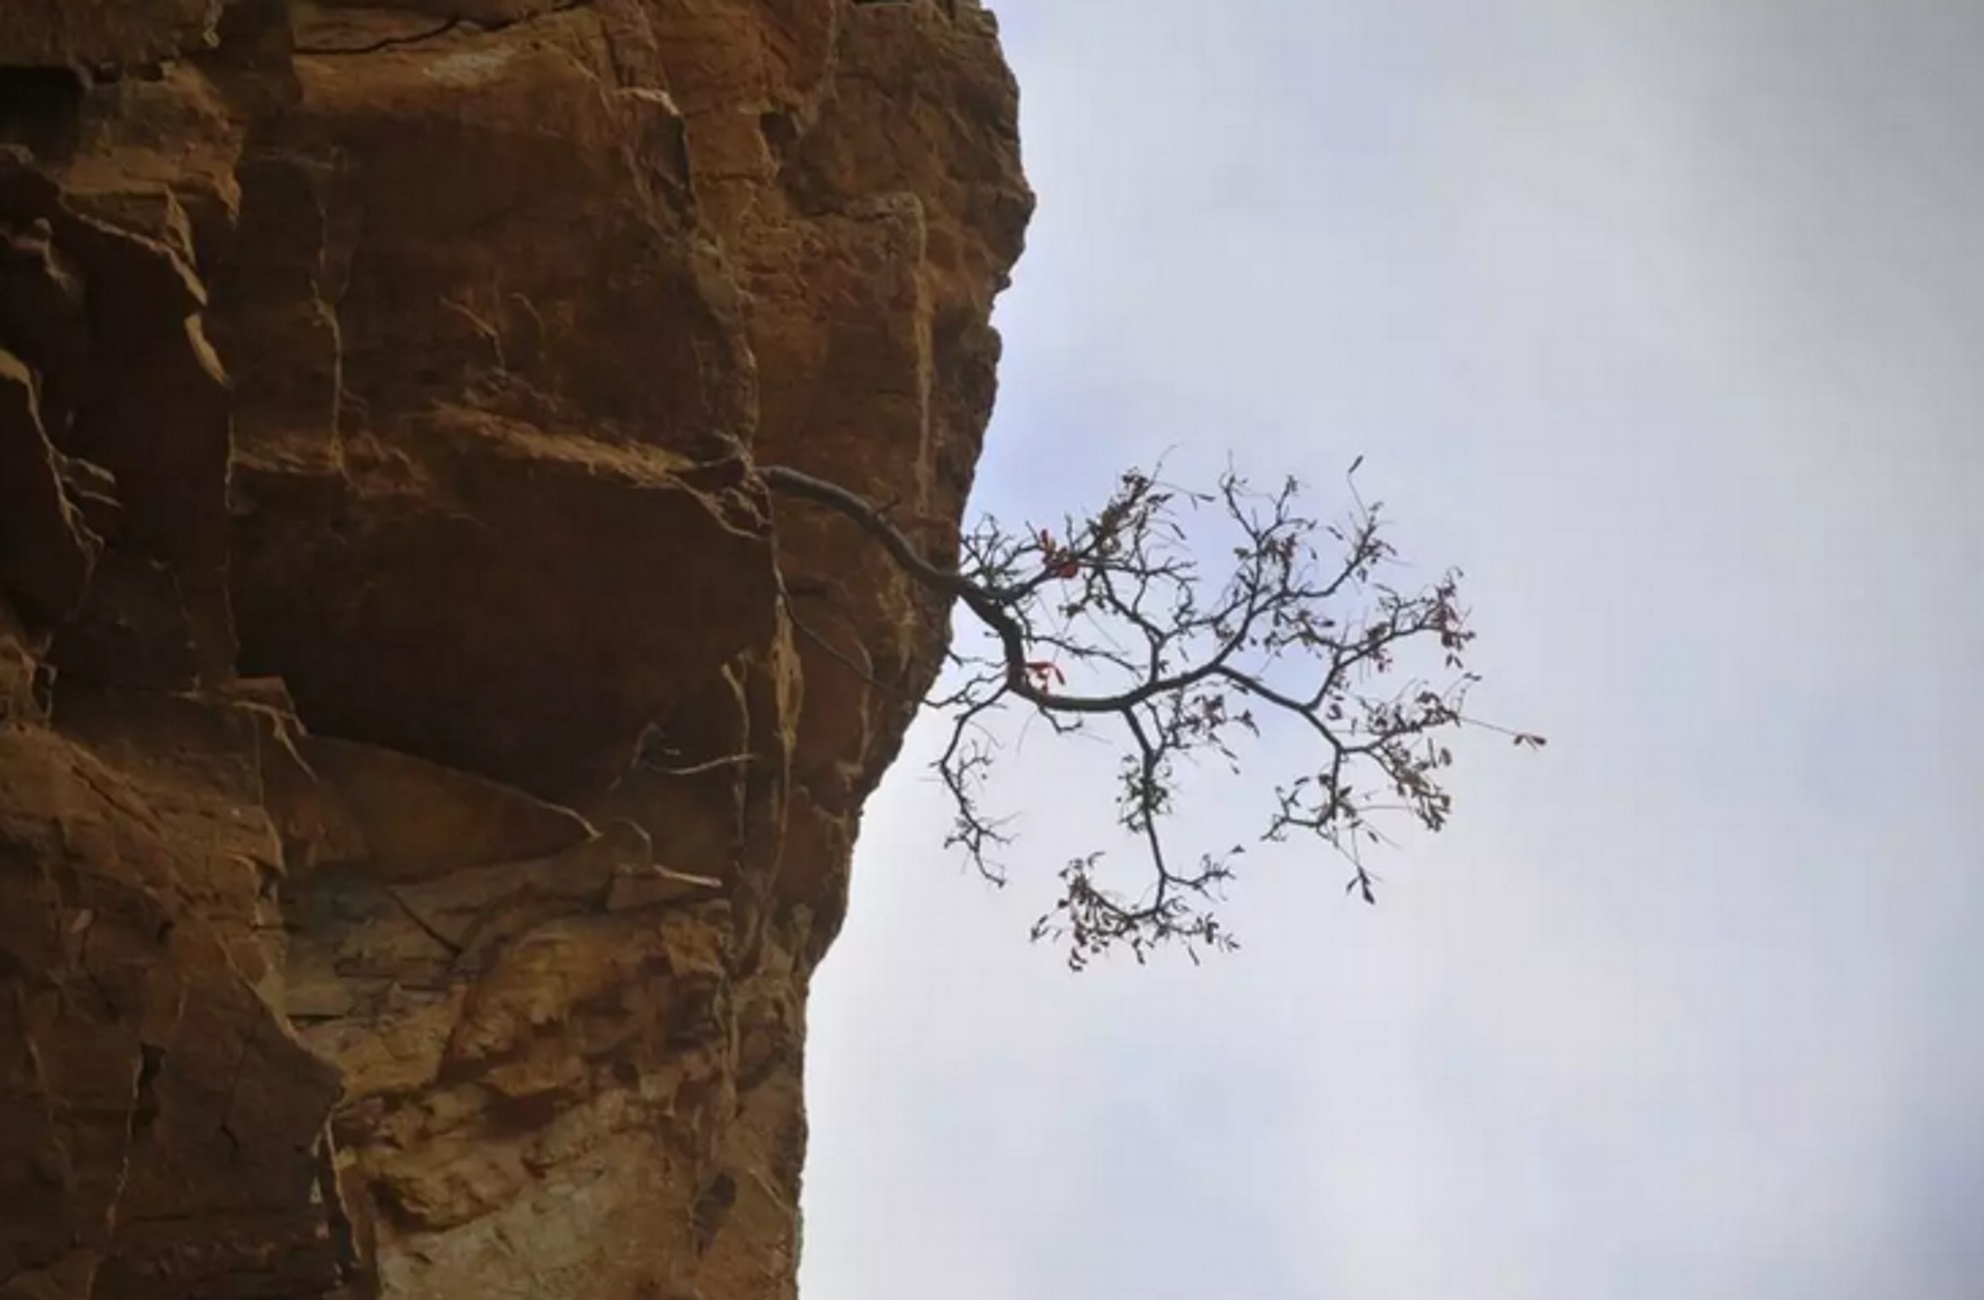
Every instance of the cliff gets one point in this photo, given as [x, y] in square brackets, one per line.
[429, 759]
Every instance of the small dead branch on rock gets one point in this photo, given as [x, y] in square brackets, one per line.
[1114, 620]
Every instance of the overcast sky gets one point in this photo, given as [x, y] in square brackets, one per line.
[1664, 319]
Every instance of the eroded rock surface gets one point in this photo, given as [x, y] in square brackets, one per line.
[429, 761]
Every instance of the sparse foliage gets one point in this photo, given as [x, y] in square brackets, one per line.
[1120, 620]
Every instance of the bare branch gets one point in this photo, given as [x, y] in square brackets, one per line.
[1114, 616]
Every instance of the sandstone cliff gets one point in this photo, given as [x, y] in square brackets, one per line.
[420, 811]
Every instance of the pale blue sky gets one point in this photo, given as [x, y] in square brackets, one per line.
[1664, 318]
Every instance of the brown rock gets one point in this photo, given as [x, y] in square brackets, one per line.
[420, 811]
[103, 33]
[46, 551]
[417, 819]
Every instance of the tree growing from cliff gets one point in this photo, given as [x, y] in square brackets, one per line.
[1114, 623]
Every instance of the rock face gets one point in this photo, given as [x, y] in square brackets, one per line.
[429, 760]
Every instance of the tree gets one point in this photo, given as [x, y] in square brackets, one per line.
[1114, 620]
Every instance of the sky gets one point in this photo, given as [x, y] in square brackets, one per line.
[1664, 319]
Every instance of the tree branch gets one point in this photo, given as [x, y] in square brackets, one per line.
[1125, 573]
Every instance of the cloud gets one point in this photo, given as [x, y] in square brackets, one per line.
[1661, 318]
